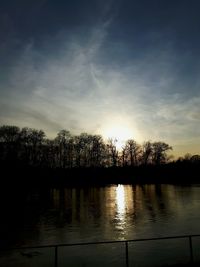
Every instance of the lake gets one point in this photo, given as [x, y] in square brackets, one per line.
[89, 214]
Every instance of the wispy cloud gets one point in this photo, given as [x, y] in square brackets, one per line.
[52, 90]
[66, 84]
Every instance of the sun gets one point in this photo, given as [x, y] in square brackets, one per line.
[121, 128]
[119, 132]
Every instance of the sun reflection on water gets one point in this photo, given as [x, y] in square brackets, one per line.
[123, 207]
[120, 200]
[120, 216]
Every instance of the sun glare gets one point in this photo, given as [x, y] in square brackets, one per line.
[119, 131]
[121, 134]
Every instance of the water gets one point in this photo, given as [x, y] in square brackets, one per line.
[115, 212]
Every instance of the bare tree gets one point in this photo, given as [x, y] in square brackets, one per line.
[159, 152]
[146, 152]
[112, 152]
[64, 148]
[132, 152]
[9, 143]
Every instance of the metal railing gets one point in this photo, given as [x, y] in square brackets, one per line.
[125, 242]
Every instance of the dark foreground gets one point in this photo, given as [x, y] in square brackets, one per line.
[121, 253]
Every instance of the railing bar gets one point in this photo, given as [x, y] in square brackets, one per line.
[32, 247]
[191, 251]
[101, 242]
[127, 259]
[56, 256]
[156, 238]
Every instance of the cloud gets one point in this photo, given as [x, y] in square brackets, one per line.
[179, 118]
[64, 83]
[52, 90]
[74, 91]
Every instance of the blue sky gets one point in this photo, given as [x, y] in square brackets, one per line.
[89, 65]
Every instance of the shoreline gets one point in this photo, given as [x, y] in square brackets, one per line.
[164, 174]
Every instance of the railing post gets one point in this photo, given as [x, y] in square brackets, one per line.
[56, 256]
[126, 248]
[191, 251]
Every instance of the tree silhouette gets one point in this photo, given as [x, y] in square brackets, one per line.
[112, 153]
[132, 152]
[9, 139]
[29, 147]
[159, 154]
[146, 153]
[64, 149]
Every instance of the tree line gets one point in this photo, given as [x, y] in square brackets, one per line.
[31, 147]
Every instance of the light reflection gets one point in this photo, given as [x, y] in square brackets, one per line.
[124, 209]
[120, 201]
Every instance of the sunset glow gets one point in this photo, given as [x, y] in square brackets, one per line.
[119, 129]
[99, 67]
[119, 133]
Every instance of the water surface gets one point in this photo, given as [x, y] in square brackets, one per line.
[87, 214]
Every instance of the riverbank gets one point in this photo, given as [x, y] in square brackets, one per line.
[170, 173]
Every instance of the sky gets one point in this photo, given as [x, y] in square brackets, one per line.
[128, 68]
